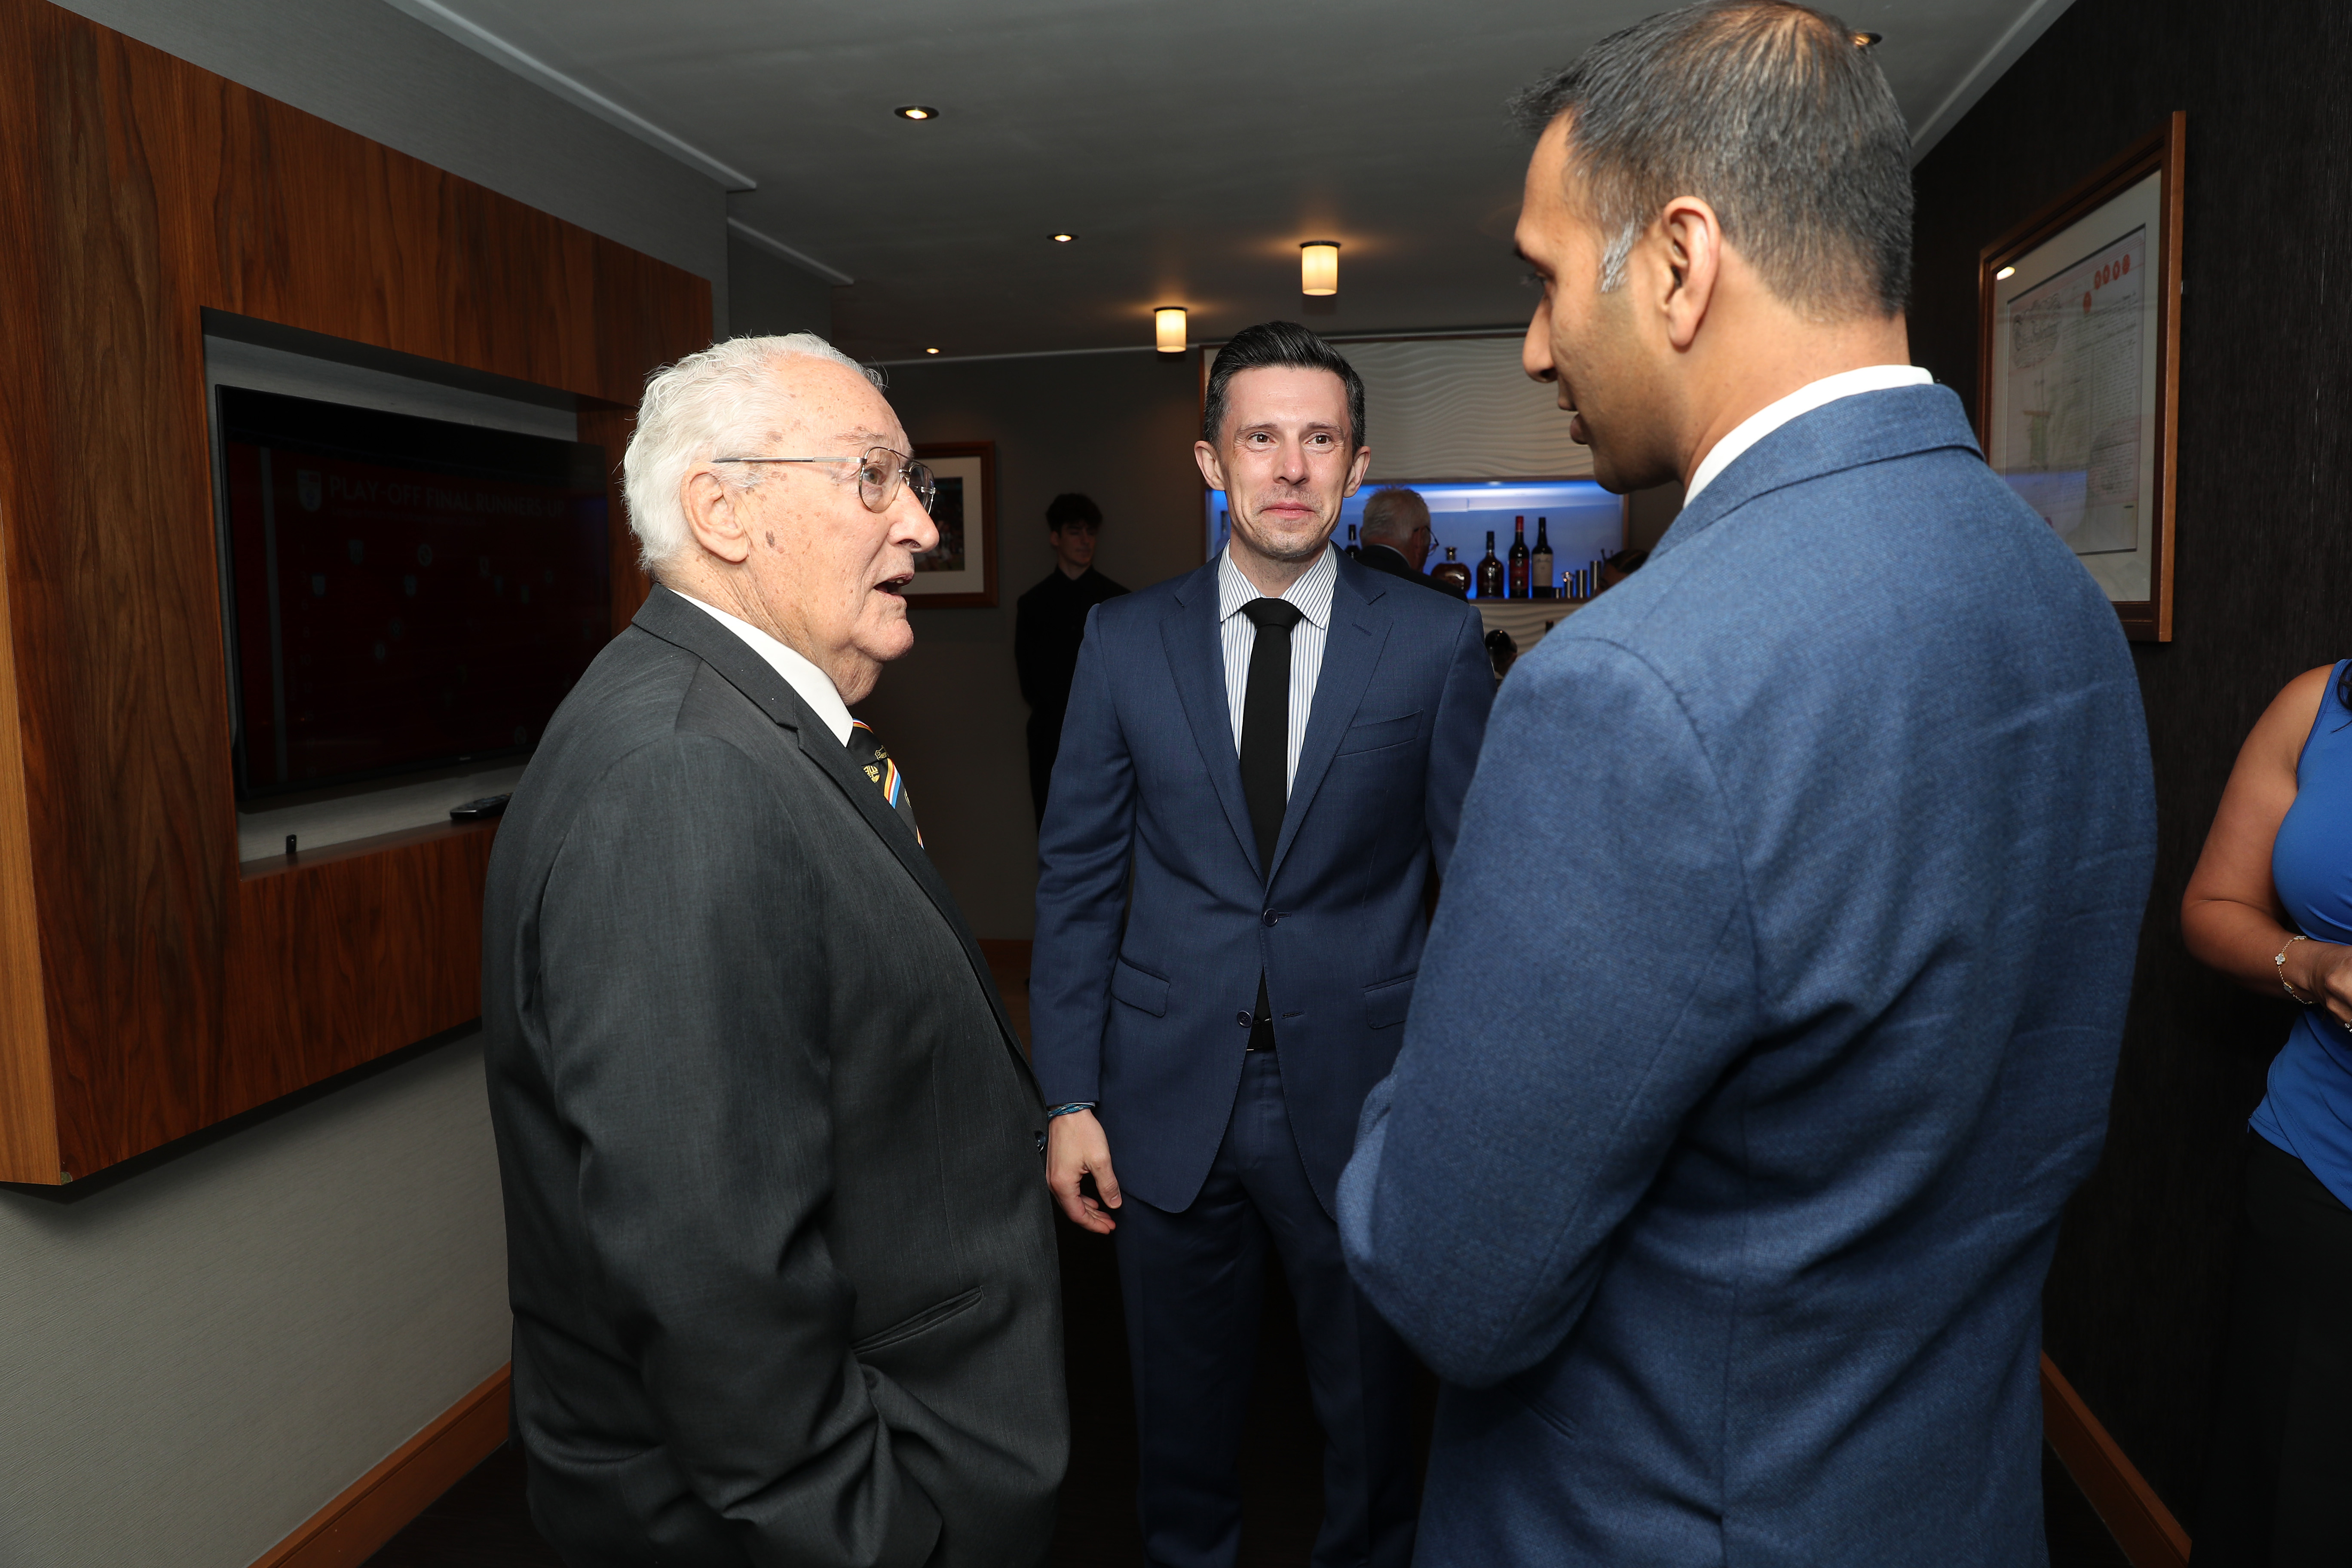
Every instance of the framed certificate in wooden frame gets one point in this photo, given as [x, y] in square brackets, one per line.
[959, 571]
[2079, 368]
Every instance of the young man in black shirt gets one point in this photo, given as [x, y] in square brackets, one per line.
[1049, 623]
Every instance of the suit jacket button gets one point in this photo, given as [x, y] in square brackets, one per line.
[1243, 1019]
[1270, 917]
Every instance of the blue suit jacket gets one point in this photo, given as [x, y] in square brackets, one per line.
[1145, 1007]
[1768, 1022]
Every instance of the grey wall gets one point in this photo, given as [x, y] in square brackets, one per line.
[198, 1356]
[1117, 427]
[767, 295]
[368, 69]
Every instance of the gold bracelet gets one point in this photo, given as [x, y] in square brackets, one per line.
[2280, 963]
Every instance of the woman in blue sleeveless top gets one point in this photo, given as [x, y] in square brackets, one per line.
[2271, 906]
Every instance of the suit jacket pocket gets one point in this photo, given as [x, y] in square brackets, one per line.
[1376, 733]
[922, 1322]
[1385, 1005]
[1132, 985]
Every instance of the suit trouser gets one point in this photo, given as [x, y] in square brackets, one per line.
[1044, 738]
[1191, 1283]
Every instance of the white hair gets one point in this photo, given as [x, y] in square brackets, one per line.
[708, 405]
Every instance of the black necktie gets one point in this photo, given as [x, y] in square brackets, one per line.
[874, 758]
[1265, 723]
[1265, 756]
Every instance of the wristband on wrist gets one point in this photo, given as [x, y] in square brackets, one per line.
[1052, 1111]
[2280, 961]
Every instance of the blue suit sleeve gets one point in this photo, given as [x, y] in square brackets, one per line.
[1456, 735]
[1083, 850]
[1589, 976]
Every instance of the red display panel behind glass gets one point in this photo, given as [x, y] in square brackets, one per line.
[389, 618]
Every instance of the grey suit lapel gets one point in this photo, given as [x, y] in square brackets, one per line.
[1360, 627]
[1197, 660]
[672, 621]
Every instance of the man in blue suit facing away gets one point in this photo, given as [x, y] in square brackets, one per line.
[1772, 1012]
[1278, 745]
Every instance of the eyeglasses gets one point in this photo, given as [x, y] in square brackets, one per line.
[879, 473]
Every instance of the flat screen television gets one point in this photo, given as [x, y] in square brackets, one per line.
[403, 593]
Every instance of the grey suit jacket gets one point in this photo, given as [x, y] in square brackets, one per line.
[780, 1255]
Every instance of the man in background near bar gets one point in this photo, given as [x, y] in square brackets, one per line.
[1396, 536]
[1772, 1012]
[1049, 621]
[1269, 752]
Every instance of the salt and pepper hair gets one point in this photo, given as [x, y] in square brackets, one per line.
[720, 402]
[1393, 514]
[1776, 116]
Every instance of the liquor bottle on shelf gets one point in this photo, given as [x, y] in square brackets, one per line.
[1490, 571]
[1351, 542]
[1451, 576]
[1540, 562]
[1519, 573]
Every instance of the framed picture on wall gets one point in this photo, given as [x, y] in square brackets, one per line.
[2079, 323]
[959, 571]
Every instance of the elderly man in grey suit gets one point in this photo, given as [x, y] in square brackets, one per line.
[780, 1262]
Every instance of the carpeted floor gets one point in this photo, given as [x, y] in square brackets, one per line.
[483, 1522]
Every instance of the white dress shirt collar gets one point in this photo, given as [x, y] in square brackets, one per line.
[1804, 400]
[1311, 592]
[815, 688]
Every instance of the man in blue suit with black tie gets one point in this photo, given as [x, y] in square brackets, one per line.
[1773, 1006]
[1278, 745]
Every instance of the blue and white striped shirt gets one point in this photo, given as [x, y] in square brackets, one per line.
[1237, 635]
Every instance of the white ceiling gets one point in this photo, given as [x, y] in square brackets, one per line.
[1191, 147]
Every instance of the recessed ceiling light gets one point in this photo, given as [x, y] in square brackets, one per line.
[2005, 272]
[916, 111]
[1063, 238]
[1864, 40]
[931, 351]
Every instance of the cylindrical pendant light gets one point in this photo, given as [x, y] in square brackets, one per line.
[1318, 266]
[1168, 326]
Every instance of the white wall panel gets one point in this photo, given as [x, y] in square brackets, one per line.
[1461, 408]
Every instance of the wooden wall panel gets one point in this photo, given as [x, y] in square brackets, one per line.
[28, 1128]
[141, 190]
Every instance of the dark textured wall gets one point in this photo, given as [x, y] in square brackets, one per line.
[2264, 591]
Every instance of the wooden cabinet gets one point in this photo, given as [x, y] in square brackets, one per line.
[148, 987]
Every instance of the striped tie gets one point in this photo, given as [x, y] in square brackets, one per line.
[874, 758]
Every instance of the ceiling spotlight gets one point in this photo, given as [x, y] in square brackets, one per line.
[916, 111]
[2005, 274]
[1864, 40]
[1318, 266]
[1063, 238]
[1168, 329]
[931, 351]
